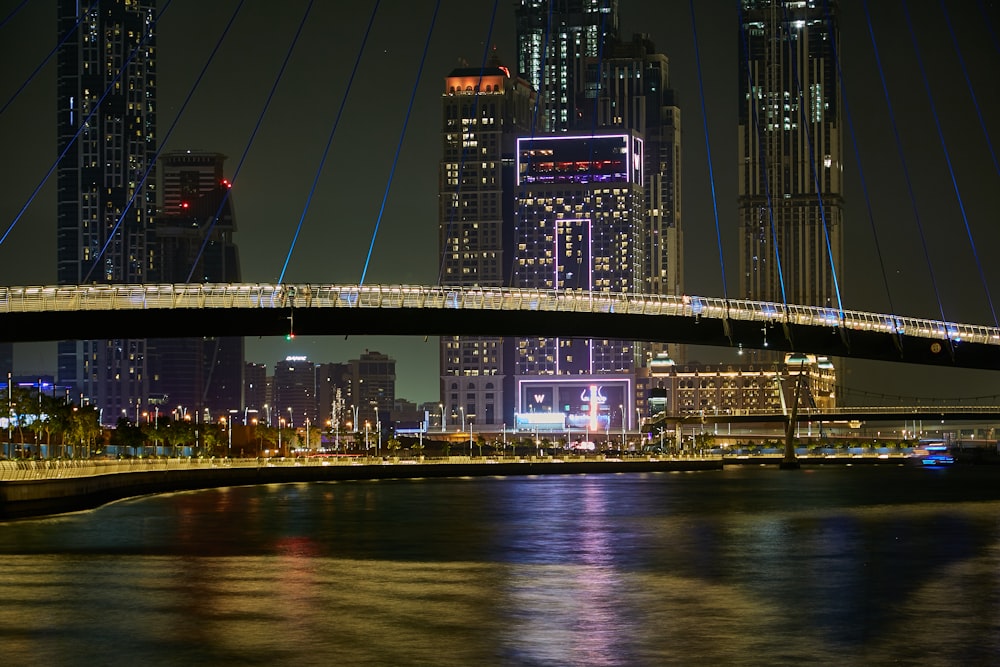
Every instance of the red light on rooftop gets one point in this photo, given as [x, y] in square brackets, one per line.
[184, 204]
[226, 182]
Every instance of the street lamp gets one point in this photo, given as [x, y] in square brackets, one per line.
[281, 424]
[621, 408]
[367, 425]
[470, 436]
[291, 421]
[441, 405]
[378, 433]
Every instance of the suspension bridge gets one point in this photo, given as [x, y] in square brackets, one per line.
[185, 310]
[37, 313]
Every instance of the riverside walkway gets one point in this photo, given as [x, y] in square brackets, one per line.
[34, 488]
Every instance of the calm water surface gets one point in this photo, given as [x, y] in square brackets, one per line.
[881, 565]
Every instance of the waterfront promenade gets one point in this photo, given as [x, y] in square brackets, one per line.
[34, 488]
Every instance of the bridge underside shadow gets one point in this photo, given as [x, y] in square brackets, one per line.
[198, 322]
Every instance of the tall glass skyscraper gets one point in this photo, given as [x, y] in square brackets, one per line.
[556, 40]
[484, 108]
[791, 148]
[106, 128]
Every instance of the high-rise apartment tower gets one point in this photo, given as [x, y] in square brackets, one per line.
[791, 148]
[106, 133]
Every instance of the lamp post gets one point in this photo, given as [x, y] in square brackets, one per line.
[441, 405]
[291, 420]
[307, 433]
[367, 424]
[281, 423]
[267, 412]
[378, 433]
[470, 436]
[621, 408]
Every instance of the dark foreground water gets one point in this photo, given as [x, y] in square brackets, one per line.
[858, 565]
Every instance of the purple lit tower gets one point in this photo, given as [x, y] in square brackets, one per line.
[579, 227]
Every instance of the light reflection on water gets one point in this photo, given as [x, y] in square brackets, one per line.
[745, 567]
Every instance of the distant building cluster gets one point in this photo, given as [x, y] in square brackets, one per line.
[563, 173]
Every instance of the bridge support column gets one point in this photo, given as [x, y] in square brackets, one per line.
[789, 461]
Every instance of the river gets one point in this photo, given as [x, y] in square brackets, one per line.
[837, 565]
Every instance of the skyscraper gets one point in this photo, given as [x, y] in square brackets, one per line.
[556, 39]
[791, 147]
[106, 134]
[483, 110]
[579, 226]
[635, 95]
[192, 241]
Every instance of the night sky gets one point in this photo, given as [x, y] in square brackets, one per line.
[272, 186]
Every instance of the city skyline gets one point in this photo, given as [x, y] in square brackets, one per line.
[271, 190]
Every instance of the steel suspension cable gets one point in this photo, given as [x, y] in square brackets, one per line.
[902, 159]
[461, 161]
[399, 146]
[708, 149]
[84, 122]
[857, 155]
[947, 158]
[163, 143]
[968, 84]
[13, 12]
[329, 140]
[47, 58]
[989, 25]
[805, 120]
[253, 135]
[947, 153]
[758, 133]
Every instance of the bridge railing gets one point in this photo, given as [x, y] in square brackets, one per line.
[27, 299]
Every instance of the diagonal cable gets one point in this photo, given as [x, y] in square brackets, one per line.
[253, 135]
[902, 159]
[399, 146]
[968, 83]
[14, 11]
[814, 172]
[84, 122]
[762, 153]
[857, 155]
[329, 140]
[708, 148]
[947, 158]
[163, 143]
[47, 58]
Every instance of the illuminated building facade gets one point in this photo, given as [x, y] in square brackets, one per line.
[556, 39]
[730, 388]
[483, 110]
[294, 386]
[578, 227]
[791, 148]
[192, 241]
[106, 119]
